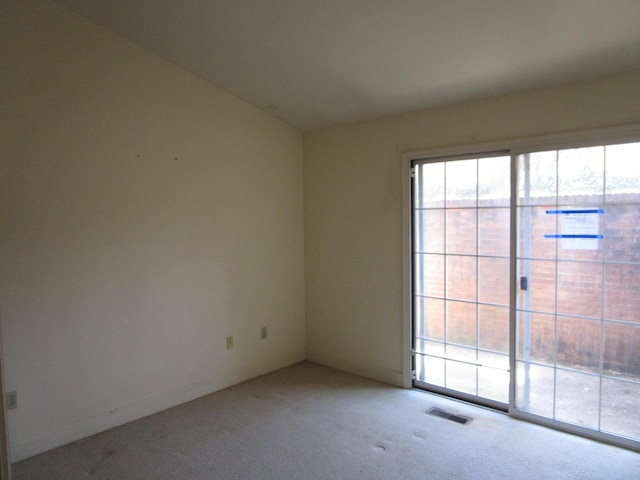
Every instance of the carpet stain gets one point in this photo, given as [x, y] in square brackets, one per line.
[110, 452]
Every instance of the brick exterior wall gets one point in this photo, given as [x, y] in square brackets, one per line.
[561, 283]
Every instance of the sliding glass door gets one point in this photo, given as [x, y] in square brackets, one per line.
[528, 298]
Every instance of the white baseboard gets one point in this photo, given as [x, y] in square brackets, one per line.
[110, 419]
[135, 411]
[374, 372]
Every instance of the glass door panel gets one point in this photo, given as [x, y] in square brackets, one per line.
[461, 228]
[578, 302]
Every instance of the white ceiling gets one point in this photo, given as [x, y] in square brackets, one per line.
[315, 63]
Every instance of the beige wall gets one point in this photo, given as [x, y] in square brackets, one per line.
[145, 215]
[354, 208]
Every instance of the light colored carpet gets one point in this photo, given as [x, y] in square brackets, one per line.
[312, 422]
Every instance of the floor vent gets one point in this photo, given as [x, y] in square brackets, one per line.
[437, 412]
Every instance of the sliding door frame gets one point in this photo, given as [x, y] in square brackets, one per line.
[5, 457]
[478, 302]
[514, 147]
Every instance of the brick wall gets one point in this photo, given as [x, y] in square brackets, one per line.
[562, 282]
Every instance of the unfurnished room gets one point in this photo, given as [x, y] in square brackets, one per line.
[338, 239]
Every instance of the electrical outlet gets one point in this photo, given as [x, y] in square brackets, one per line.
[263, 333]
[229, 343]
[12, 400]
